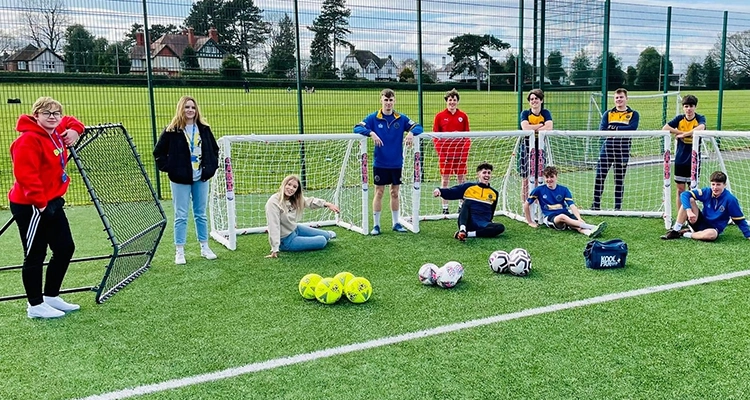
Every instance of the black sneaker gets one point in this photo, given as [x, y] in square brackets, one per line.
[446, 211]
[671, 234]
[595, 207]
[460, 235]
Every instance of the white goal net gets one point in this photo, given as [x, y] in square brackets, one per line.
[724, 151]
[627, 173]
[421, 174]
[331, 167]
[654, 110]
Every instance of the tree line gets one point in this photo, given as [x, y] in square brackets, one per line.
[244, 34]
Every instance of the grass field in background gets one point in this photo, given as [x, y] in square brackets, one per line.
[206, 316]
[275, 111]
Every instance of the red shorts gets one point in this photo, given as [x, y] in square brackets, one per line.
[453, 155]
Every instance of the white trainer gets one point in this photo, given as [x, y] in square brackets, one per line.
[59, 304]
[179, 258]
[331, 235]
[207, 253]
[43, 310]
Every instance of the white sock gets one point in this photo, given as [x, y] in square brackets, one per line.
[394, 217]
[588, 226]
[687, 235]
[677, 226]
[180, 249]
[471, 234]
[376, 218]
[204, 245]
[445, 206]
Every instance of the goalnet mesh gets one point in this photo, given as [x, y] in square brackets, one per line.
[723, 151]
[421, 174]
[654, 110]
[576, 155]
[330, 166]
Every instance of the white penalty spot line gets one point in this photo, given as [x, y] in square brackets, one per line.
[334, 351]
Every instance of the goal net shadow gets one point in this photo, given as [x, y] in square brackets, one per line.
[126, 202]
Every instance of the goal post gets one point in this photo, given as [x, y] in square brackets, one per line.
[647, 175]
[330, 166]
[726, 151]
[421, 174]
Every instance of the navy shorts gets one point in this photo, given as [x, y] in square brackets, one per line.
[386, 176]
[701, 224]
[550, 221]
[682, 173]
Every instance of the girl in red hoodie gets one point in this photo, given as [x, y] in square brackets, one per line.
[39, 157]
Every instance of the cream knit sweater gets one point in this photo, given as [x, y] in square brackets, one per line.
[282, 218]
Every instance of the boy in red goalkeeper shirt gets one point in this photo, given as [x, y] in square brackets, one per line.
[453, 153]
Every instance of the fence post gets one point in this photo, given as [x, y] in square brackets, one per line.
[721, 70]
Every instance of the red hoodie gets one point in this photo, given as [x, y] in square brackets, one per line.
[37, 165]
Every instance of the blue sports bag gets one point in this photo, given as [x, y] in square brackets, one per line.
[609, 254]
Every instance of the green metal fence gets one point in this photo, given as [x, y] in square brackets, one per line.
[288, 67]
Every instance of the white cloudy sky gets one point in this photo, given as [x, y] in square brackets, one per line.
[388, 27]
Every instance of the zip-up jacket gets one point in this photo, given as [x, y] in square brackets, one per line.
[390, 129]
[38, 163]
[480, 198]
[717, 210]
[172, 155]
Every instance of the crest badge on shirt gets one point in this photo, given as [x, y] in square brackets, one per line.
[380, 125]
[397, 125]
[460, 119]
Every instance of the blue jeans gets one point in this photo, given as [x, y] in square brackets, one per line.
[181, 196]
[305, 238]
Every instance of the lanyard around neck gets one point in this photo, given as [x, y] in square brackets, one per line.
[191, 141]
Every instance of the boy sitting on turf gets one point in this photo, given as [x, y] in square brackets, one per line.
[719, 205]
[480, 202]
[558, 208]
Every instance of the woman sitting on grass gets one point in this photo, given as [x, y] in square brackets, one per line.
[284, 209]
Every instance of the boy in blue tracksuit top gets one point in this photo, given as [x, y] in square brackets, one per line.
[719, 205]
[559, 209]
[386, 128]
[480, 202]
[615, 151]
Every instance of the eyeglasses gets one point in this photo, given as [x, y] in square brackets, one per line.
[47, 114]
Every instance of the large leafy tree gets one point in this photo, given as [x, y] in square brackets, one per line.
[650, 68]
[581, 69]
[45, 22]
[555, 70]
[694, 75]
[737, 55]
[79, 49]
[246, 28]
[205, 14]
[321, 55]
[331, 28]
[631, 76]
[117, 61]
[711, 72]
[282, 59]
[239, 24]
[615, 75]
[468, 49]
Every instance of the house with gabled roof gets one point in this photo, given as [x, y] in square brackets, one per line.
[34, 59]
[370, 66]
[167, 52]
[445, 70]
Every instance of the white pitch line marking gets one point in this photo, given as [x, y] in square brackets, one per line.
[330, 352]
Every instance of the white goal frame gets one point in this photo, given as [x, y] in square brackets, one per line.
[705, 141]
[223, 196]
[411, 197]
[665, 160]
